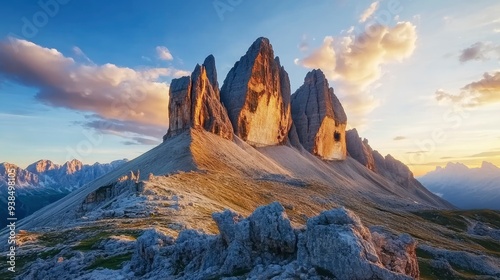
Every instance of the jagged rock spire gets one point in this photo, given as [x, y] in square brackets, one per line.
[195, 103]
[256, 93]
[319, 118]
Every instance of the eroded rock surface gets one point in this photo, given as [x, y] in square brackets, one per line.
[319, 118]
[334, 245]
[195, 103]
[256, 93]
[359, 149]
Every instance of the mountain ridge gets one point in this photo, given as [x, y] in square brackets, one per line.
[467, 188]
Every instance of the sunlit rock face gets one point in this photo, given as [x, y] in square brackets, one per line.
[256, 93]
[195, 103]
[319, 118]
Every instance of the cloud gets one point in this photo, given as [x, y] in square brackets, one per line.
[485, 154]
[479, 51]
[135, 133]
[108, 91]
[482, 92]
[78, 52]
[355, 62]
[141, 141]
[303, 45]
[417, 152]
[163, 53]
[399, 138]
[369, 12]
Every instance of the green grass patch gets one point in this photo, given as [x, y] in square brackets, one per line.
[423, 254]
[49, 253]
[51, 239]
[456, 221]
[449, 219]
[113, 263]
[490, 245]
[89, 243]
[428, 272]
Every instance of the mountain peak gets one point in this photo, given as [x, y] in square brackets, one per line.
[41, 166]
[489, 166]
[195, 103]
[72, 166]
[256, 93]
[260, 43]
[319, 118]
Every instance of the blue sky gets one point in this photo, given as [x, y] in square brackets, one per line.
[397, 98]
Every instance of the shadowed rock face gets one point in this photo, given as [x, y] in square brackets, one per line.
[387, 166]
[360, 150]
[195, 102]
[256, 93]
[319, 118]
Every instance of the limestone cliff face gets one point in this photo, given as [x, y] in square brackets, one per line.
[195, 103]
[256, 93]
[319, 118]
[360, 150]
[387, 166]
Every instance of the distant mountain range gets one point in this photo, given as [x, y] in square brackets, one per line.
[44, 182]
[467, 188]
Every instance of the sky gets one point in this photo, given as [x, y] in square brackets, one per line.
[90, 79]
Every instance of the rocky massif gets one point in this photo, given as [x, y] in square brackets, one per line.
[467, 188]
[44, 182]
[319, 118]
[150, 218]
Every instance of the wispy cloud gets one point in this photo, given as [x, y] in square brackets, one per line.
[482, 92]
[369, 12]
[78, 52]
[399, 138]
[416, 152]
[480, 51]
[163, 53]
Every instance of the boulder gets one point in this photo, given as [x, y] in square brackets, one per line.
[195, 103]
[337, 244]
[396, 252]
[256, 93]
[270, 229]
[319, 118]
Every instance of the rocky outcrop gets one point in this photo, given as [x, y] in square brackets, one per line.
[449, 261]
[256, 93]
[319, 118]
[387, 166]
[359, 149]
[195, 103]
[334, 245]
[337, 243]
[396, 253]
[147, 250]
